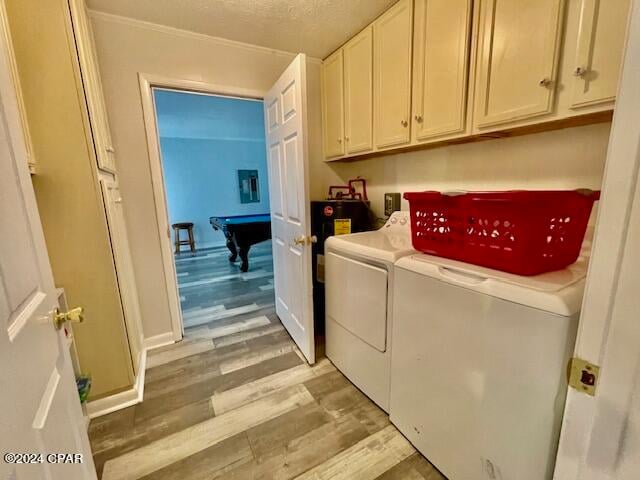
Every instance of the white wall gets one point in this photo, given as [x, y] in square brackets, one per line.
[127, 47]
[205, 140]
[561, 159]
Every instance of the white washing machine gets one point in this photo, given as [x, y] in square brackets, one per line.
[359, 303]
[479, 365]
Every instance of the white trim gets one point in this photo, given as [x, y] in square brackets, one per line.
[147, 83]
[158, 341]
[593, 428]
[132, 22]
[135, 394]
[113, 403]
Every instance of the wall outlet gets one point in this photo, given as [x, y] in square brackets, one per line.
[391, 203]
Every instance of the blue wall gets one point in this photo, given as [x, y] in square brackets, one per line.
[204, 140]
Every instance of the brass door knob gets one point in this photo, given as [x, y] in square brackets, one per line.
[580, 72]
[75, 315]
[304, 240]
[545, 82]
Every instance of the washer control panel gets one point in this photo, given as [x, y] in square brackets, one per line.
[399, 220]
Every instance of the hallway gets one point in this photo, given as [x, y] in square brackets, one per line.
[235, 399]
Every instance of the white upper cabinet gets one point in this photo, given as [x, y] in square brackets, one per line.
[392, 34]
[333, 105]
[358, 92]
[442, 32]
[433, 71]
[92, 85]
[599, 48]
[518, 47]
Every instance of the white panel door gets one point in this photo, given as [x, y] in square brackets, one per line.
[600, 45]
[92, 85]
[518, 47]
[392, 37]
[358, 92]
[442, 29]
[286, 134]
[124, 268]
[333, 105]
[39, 408]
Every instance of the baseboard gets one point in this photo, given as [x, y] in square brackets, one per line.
[127, 398]
[158, 341]
[135, 394]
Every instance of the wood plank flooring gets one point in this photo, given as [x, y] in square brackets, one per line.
[235, 400]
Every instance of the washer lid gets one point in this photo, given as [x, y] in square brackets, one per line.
[558, 292]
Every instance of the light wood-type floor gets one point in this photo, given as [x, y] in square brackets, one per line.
[236, 400]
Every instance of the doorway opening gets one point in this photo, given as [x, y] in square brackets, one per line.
[215, 176]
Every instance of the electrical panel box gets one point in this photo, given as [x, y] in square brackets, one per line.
[391, 203]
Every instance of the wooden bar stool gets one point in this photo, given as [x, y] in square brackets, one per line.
[177, 228]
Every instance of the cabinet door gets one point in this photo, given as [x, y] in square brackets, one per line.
[333, 105]
[600, 45]
[124, 268]
[517, 59]
[440, 67]
[392, 75]
[92, 85]
[358, 92]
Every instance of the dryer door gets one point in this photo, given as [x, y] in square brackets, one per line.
[357, 298]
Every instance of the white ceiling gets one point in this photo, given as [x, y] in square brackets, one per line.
[314, 27]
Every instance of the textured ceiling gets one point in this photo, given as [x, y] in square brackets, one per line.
[314, 27]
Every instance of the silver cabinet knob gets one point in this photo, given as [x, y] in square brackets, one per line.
[580, 72]
[419, 118]
[545, 82]
[404, 123]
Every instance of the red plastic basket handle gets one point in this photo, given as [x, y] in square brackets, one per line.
[595, 194]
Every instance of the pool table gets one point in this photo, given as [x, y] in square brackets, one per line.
[242, 231]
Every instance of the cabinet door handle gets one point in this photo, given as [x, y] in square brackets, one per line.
[419, 118]
[339, 140]
[404, 123]
[580, 72]
[346, 139]
[110, 149]
[545, 82]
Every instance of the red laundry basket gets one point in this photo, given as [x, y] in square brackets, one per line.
[522, 232]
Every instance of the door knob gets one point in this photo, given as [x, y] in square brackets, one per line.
[339, 140]
[75, 315]
[545, 82]
[404, 123]
[304, 240]
[110, 149]
[580, 72]
[419, 118]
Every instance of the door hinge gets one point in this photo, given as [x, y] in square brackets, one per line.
[583, 376]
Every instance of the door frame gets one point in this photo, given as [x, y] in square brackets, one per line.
[593, 428]
[147, 83]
